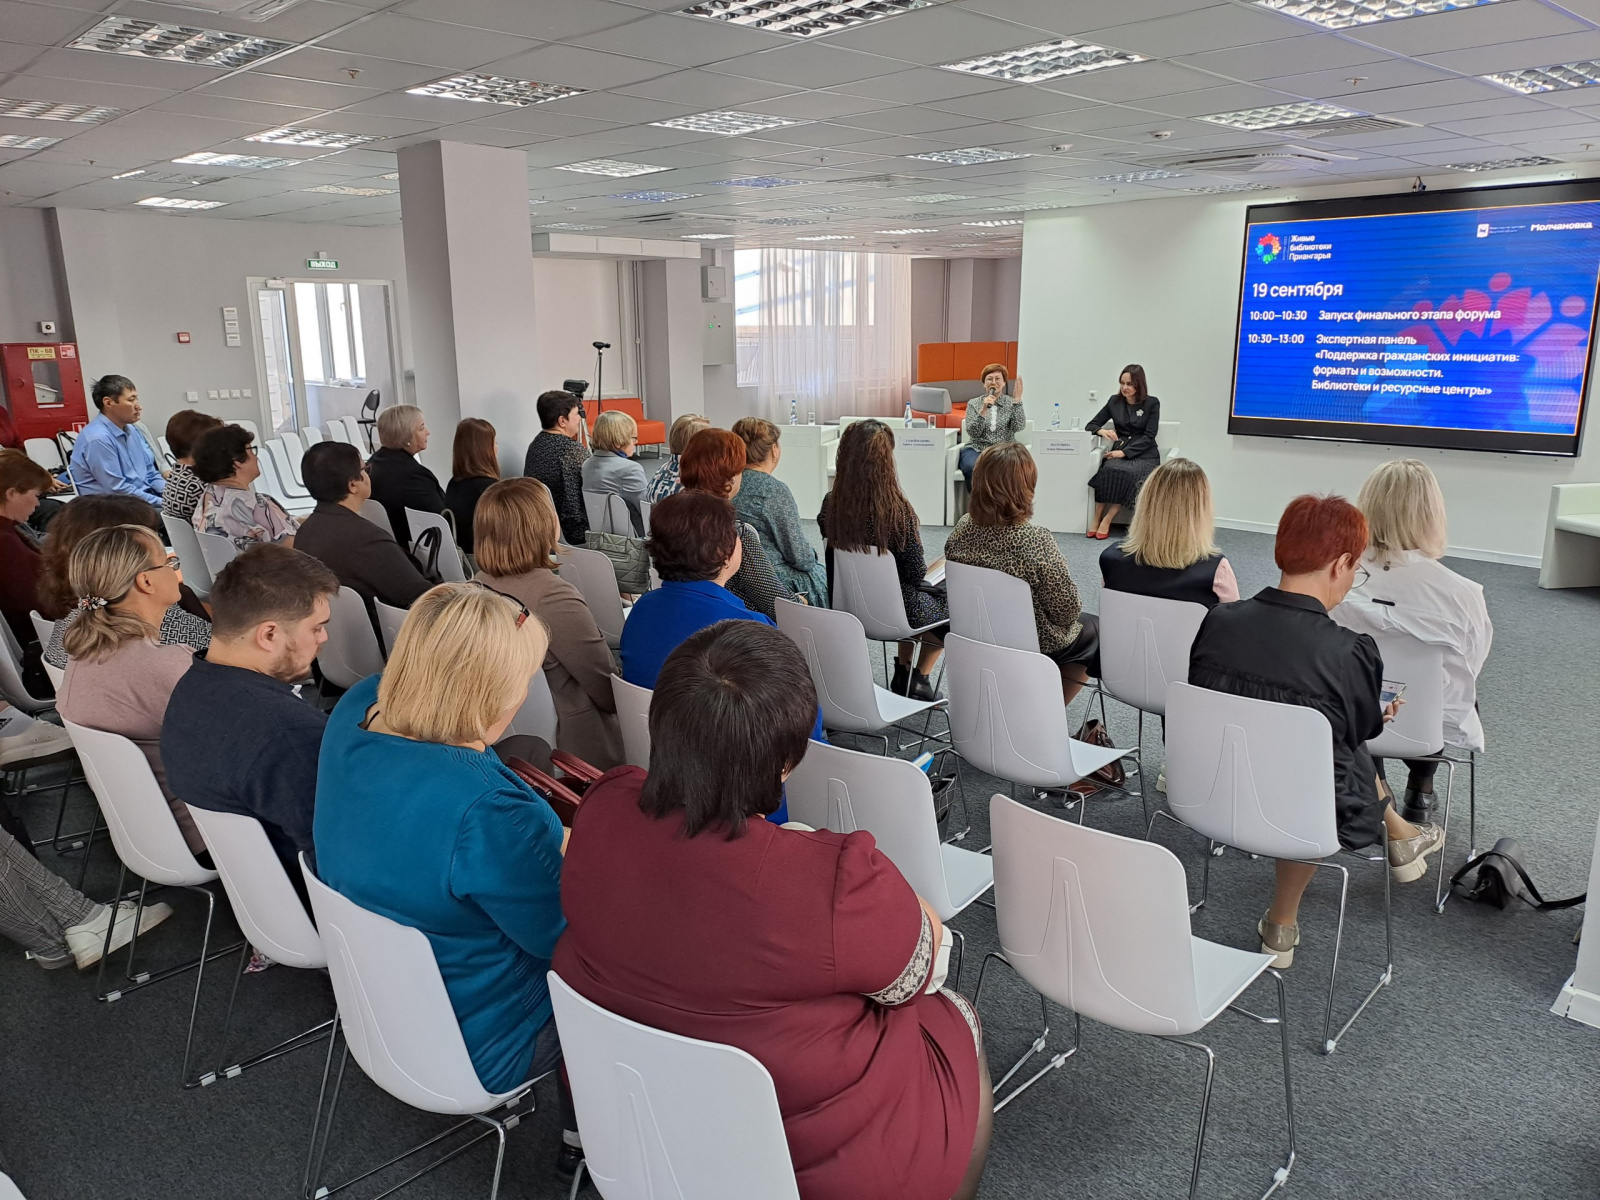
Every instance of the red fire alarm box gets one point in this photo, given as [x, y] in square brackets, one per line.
[44, 387]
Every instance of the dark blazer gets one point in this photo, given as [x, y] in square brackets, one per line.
[364, 557]
[400, 482]
[1136, 425]
[1283, 646]
[461, 498]
[556, 461]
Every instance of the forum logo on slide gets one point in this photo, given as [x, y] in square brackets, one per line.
[1268, 247]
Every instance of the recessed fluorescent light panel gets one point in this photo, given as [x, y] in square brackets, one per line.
[173, 178]
[1504, 164]
[905, 232]
[706, 237]
[826, 237]
[344, 189]
[21, 141]
[937, 198]
[970, 157]
[1137, 176]
[1044, 60]
[1281, 116]
[494, 89]
[325, 139]
[965, 245]
[757, 181]
[1023, 207]
[823, 208]
[1549, 79]
[170, 202]
[730, 124]
[803, 18]
[616, 168]
[1222, 189]
[785, 221]
[48, 110]
[570, 226]
[176, 43]
[247, 162]
[992, 224]
[1342, 14]
[654, 197]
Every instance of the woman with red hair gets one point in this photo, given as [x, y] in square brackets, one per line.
[1281, 645]
[713, 462]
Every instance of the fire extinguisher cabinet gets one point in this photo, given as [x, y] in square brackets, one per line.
[44, 387]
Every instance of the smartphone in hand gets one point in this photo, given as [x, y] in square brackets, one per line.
[1392, 691]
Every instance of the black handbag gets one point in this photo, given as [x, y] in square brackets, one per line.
[1502, 878]
[425, 549]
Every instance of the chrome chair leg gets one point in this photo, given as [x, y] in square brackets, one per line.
[1281, 1175]
[1442, 887]
[1329, 1045]
[960, 955]
[1038, 1045]
[316, 1117]
[1205, 870]
[1205, 1108]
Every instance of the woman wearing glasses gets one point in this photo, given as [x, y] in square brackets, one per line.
[229, 505]
[119, 677]
[416, 818]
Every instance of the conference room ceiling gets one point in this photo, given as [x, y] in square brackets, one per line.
[872, 139]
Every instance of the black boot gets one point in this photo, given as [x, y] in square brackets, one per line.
[921, 687]
[901, 679]
[1418, 805]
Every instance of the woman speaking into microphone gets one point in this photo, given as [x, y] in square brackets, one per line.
[1128, 421]
[991, 419]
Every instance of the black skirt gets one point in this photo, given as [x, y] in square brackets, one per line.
[1085, 648]
[1119, 479]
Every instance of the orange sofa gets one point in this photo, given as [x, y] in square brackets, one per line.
[651, 433]
[943, 362]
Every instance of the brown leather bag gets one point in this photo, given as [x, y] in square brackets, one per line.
[1095, 734]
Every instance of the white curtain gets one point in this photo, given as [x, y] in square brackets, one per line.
[833, 334]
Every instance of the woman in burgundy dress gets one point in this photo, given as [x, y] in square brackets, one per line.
[809, 950]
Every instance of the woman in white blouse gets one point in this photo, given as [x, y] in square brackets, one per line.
[1410, 591]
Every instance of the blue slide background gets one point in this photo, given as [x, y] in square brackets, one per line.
[1541, 282]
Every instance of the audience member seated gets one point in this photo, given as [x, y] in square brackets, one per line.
[555, 458]
[765, 503]
[227, 465]
[119, 678]
[110, 456]
[21, 481]
[1281, 645]
[992, 419]
[713, 462]
[808, 950]
[996, 533]
[516, 535]
[399, 481]
[866, 510]
[185, 428]
[1408, 590]
[52, 921]
[474, 467]
[1169, 552]
[418, 820]
[610, 470]
[665, 482]
[237, 737]
[186, 623]
[363, 555]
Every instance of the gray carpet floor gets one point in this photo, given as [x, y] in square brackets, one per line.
[1456, 1081]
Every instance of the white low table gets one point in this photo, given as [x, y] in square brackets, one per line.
[921, 454]
[803, 463]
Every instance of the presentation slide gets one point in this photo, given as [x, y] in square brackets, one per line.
[1454, 326]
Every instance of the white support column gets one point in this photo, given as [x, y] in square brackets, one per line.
[469, 271]
[1580, 998]
[674, 375]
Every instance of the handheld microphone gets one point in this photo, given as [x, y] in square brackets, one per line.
[601, 345]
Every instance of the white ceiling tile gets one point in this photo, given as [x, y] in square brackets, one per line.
[545, 20]
[1012, 103]
[41, 25]
[335, 66]
[309, 19]
[1230, 98]
[1082, 120]
[1397, 101]
[1528, 122]
[575, 66]
[810, 65]
[247, 112]
[631, 110]
[683, 41]
[1483, 25]
[31, 86]
[1074, 17]
[1136, 82]
[280, 89]
[817, 106]
[706, 89]
[1201, 29]
[1286, 56]
[1336, 85]
[536, 119]
[822, 133]
[122, 68]
[1515, 55]
[921, 85]
[910, 118]
[406, 39]
[936, 34]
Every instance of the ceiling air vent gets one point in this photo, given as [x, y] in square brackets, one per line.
[1248, 160]
[1346, 126]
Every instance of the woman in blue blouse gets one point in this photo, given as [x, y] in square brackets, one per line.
[417, 819]
[766, 504]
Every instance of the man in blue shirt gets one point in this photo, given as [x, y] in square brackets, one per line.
[111, 457]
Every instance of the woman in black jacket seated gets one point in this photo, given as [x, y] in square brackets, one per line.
[399, 481]
[1129, 421]
[1169, 553]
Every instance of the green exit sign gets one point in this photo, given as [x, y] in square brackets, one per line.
[322, 264]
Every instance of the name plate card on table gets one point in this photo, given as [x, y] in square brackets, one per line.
[1057, 442]
[918, 439]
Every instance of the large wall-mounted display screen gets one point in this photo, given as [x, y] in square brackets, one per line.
[1461, 319]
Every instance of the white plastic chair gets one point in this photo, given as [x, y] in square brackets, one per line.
[336, 432]
[255, 431]
[1100, 924]
[592, 574]
[633, 715]
[285, 466]
[44, 630]
[351, 652]
[11, 686]
[390, 619]
[186, 545]
[47, 453]
[352, 432]
[667, 1117]
[608, 513]
[216, 550]
[164, 448]
[150, 845]
[1258, 776]
[991, 606]
[835, 646]
[378, 515]
[1144, 646]
[537, 717]
[866, 584]
[892, 799]
[293, 451]
[1007, 717]
[310, 435]
[295, 500]
[400, 1027]
[450, 565]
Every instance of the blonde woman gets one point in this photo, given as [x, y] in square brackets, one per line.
[516, 531]
[417, 818]
[399, 481]
[1408, 590]
[1169, 552]
[665, 482]
[610, 469]
[119, 677]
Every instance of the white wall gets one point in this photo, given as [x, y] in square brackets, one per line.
[575, 305]
[31, 289]
[1157, 282]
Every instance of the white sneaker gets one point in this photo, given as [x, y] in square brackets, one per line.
[1161, 783]
[39, 740]
[88, 940]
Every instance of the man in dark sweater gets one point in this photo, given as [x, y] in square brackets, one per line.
[555, 459]
[237, 737]
[364, 557]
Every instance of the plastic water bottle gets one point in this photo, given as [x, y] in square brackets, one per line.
[908, 414]
[1055, 420]
[794, 411]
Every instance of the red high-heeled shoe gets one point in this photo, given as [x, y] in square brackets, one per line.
[1101, 536]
